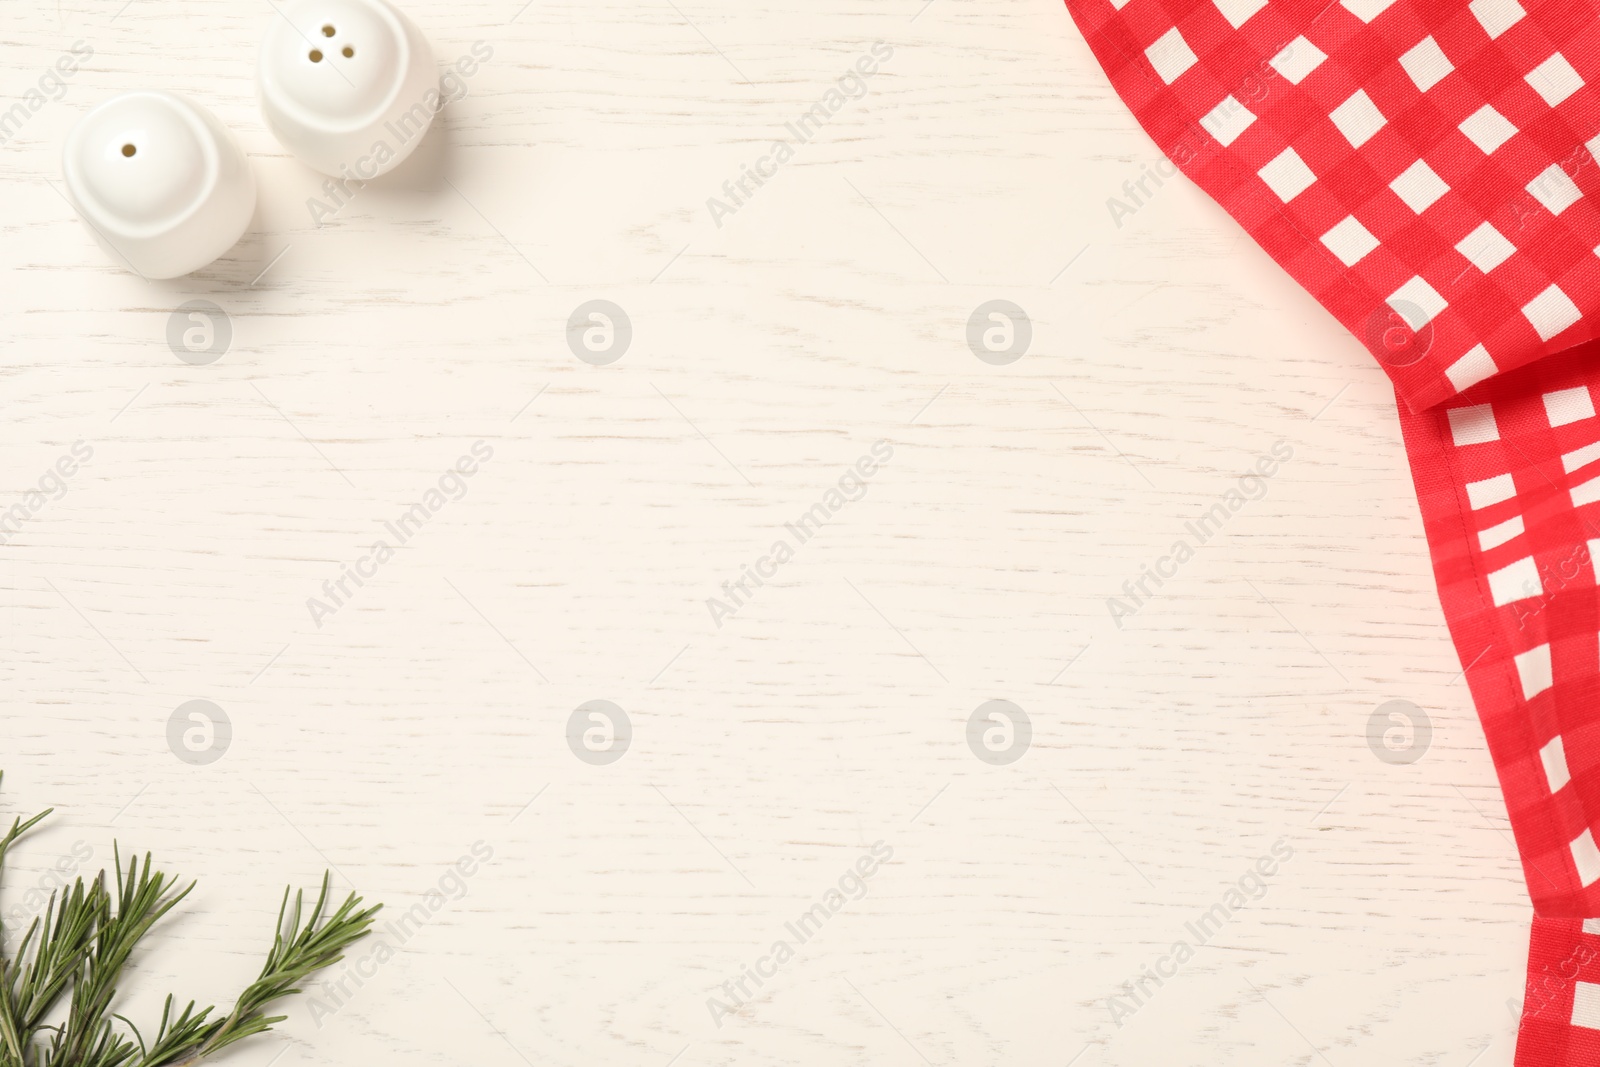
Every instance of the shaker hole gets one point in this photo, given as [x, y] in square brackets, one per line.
[128, 150]
[316, 55]
[328, 31]
[348, 52]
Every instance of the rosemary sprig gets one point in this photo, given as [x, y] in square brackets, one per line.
[297, 951]
[83, 942]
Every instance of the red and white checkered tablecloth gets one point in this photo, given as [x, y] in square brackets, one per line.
[1508, 479]
[1426, 170]
[1429, 172]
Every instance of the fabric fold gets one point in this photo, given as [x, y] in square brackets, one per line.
[1426, 170]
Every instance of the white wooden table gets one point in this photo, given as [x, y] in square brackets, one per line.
[770, 348]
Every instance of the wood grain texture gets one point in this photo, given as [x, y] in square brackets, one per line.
[769, 352]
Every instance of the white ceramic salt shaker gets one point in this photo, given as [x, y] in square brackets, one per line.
[159, 182]
[349, 86]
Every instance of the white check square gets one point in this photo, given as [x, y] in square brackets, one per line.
[1554, 79]
[1358, 118]
[1555, 189]
[1486, 247]
[1491, 491]
[1471, 368]
[1299, 58]
[1549, 313]
[1500, 533]
[1366, 10]
[1417, 302]
[1426, 64]
[1488, 129]
[1517, 582]
[1567, 406]
[1238, 12]
[1586, 999]
[1170, 55]
[1227, 121]
[1473, 425]
[1351, 241]
[1554, 758]
[1587, 859]
[1533, 670]
[1287, 175]
[1496, 16]
[1419, 186]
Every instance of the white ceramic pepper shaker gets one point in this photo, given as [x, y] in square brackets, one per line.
[159, 181]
